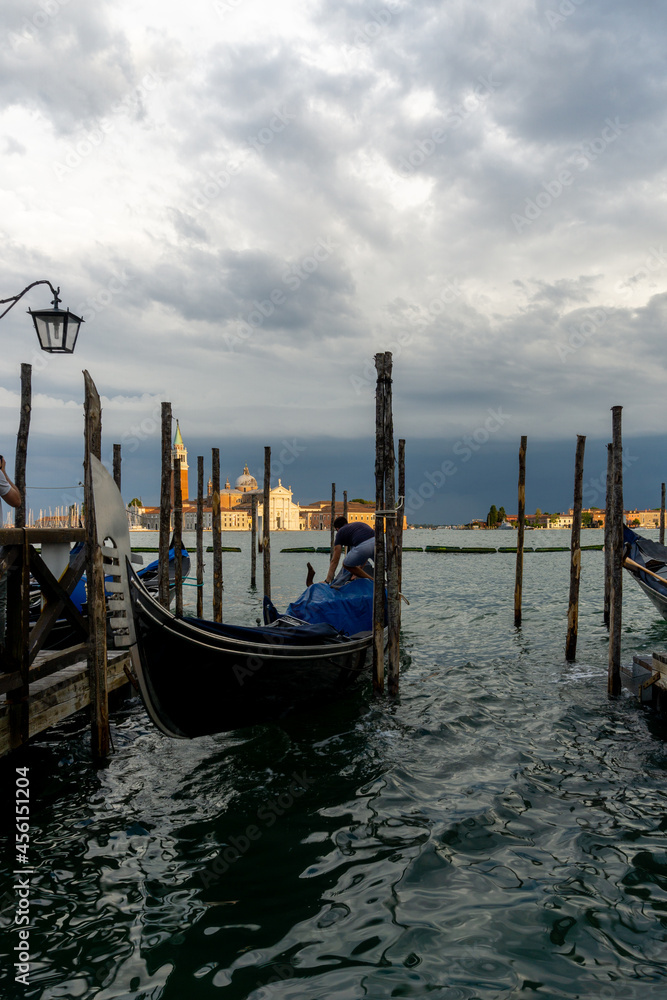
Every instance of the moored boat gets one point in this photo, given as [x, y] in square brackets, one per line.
[646, 561]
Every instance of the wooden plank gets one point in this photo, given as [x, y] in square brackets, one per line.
[35, 536]
[57, 697]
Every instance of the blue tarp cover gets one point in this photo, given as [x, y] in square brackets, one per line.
[349, 609]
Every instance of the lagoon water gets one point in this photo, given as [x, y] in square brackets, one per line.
[498, 831]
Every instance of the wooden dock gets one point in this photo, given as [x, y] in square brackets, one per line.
[647, 678]
[58, 688]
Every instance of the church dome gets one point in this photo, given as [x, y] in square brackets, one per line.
[246, 482]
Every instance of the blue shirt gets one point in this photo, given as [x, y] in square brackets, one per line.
[354, 534]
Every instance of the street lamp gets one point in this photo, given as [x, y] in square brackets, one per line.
[57, 329]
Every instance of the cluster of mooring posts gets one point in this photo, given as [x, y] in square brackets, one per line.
[40, 687]
[613, 558]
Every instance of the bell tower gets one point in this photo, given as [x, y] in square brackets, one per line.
[180, 451]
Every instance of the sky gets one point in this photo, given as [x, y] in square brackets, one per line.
[246, 201]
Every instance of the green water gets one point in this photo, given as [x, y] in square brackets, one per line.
[498, 831]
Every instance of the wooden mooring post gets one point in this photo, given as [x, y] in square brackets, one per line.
[345, 504]
[216, 524]
[178, 540]
[521, 519]
[253, 540]
[42, 687]
[332, 518]
[200, 536]
[266, 524]
[22, 444]
[379, 574]
[662, 514]
[575, 552]
[165, 507]
[607, 534]
[391, 519]
[116, 466]
[95, 597]
[616, 589]
[400, 513]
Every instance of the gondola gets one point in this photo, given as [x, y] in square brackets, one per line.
[198, 677]
[646, 561]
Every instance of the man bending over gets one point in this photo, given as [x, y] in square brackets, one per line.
[360, 537]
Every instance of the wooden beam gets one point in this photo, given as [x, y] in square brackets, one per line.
[60, 695]
[36, 536]
[57, 593]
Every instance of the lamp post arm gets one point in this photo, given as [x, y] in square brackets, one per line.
[14, 298]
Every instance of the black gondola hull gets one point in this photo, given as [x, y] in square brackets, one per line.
[196, 681]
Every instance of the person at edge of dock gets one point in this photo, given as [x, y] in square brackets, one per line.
[10, 494]
[360, 538]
